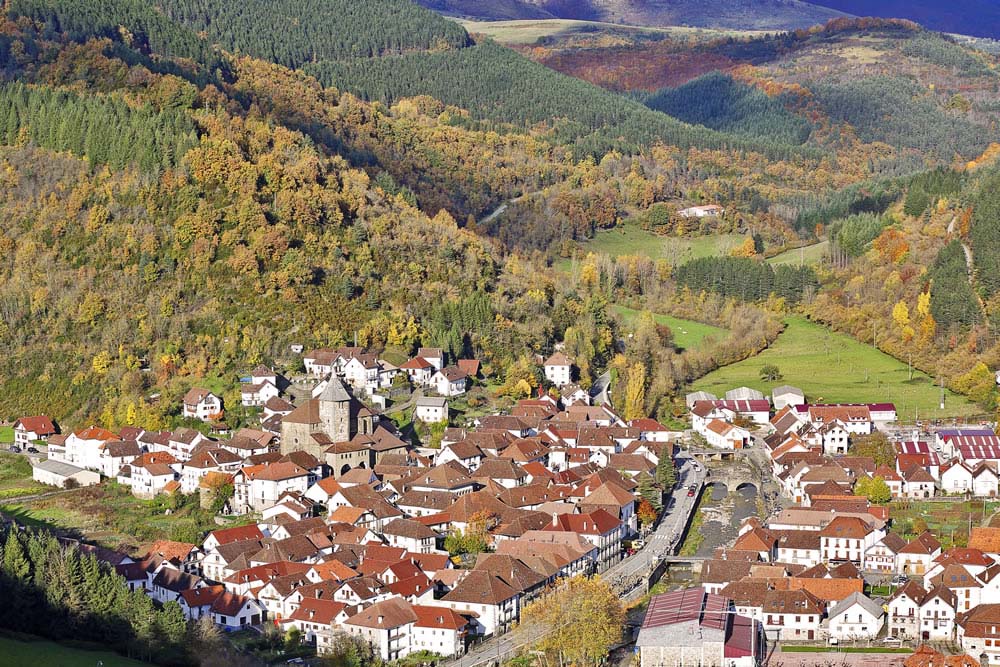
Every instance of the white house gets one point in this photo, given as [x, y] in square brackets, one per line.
[202, 404]
[450, 381]
[362, 372]
[260, 486]
[419, 370]
[150, 474]
[904, 611]
[724, 435]
[917, 555]
[434, 355]
[387, 626]
[787, 395]
[411, 535]
[707, 211]
[431, 410]
[984, 481]
[83, 447]
[937, 614]
[978, 631]
[956, 477]
[256, 394]
[494, 604]
[236, 612]
[855, 617]
[558, 369]
[27, 430]
[847, 538]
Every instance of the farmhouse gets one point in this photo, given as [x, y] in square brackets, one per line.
[202, 404]
[27, 430]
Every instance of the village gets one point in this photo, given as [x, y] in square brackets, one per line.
[347, 527]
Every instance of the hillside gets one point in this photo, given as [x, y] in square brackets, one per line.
[742, 14]
[980, 18]
[883, 82]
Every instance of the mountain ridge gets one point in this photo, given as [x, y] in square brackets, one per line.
[975, 18]
[742, 14]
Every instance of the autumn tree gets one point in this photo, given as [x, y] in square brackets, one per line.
[873, 488]
[635, 392]
[891, 246]
[746, 249]
[875, 446]
[646, 512]
[577, 624]
[979, 384]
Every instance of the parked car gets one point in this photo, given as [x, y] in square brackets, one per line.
[690, 492]
[33, 450]
[15, 449]
[899, 580]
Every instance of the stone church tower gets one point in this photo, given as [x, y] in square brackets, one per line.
[335, 410]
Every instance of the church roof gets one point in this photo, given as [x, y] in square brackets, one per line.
[335, 391]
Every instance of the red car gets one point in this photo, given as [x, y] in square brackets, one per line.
[690, 492]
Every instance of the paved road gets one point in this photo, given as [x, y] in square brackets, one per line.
[664, 540]
[660, 542]
[599, 390]
[487, 652]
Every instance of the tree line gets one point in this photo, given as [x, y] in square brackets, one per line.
[137, 22]
[718, 101]
[899, 112]
[295, 32]
[55, 591]
[102, 129]
[952, 297]
[985, 233]
[747, 279]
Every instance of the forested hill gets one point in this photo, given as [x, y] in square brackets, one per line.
[385, 50]
[980, 18]
[496, 83]
[295, 32]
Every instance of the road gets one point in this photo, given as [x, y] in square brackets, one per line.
[599, 390]
[664, 540]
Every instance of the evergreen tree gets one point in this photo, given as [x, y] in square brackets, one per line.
[15, 563]
[666, 471]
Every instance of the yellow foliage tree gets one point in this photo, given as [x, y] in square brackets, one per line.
[745, 249]
[579, 622]
[101, 363]
[635, 392]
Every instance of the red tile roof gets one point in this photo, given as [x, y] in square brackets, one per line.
[40, 425]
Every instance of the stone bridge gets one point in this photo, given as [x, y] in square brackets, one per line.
[738, 471]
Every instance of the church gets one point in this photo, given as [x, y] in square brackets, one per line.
[335, 416]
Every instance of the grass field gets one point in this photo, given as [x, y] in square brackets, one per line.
[51, 654]
[110, 515]
[6, 435]
[834, 368]
[529, 31]
[632, 240]
[688, 334]
[807, 255]
[949, 521]
[15, 476]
